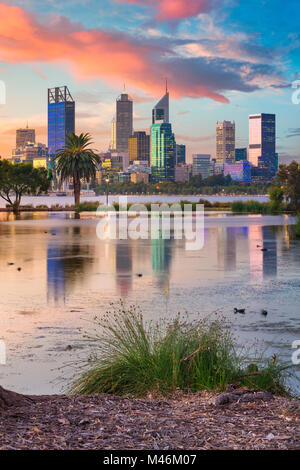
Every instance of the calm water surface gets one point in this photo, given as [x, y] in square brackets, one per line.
[68, 276]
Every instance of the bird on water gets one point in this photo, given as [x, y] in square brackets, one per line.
[239, 310]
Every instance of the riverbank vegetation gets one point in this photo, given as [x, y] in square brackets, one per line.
[20, 180]
[289, 179]
[93, 205]
[213, 185]
[132, 358]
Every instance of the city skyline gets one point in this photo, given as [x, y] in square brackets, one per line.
[208, 42]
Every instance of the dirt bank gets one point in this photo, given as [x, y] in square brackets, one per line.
[191, 421]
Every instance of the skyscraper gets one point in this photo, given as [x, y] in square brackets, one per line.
[201, 165]
[163, 152]
[225, 133]
[262, 145]
[163, 145]
[241, 154]
[23, 136]
[180, 154]
[124, 123]
[160, 112]
[113, 136]
[61, 118]
[139, 147]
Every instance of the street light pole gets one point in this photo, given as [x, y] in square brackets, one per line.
[107, 181]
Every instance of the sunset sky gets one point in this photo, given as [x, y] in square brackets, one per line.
[224, 59]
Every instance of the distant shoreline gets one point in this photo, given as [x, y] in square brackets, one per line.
[52, 203]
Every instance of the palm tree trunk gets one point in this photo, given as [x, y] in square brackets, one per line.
[77, 189]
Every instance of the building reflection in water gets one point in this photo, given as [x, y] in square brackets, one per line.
[227, 248]
[245, 244]
[67, 263]
[124, 267]
[56, 281]
[161, 256]
[69, 258]
[263, 264]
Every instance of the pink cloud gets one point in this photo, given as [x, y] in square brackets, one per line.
[175, 9]
[111, 56]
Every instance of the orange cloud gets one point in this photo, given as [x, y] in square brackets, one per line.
[112, 56]
[175, 9]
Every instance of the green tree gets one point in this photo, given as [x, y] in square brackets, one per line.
[77, 161]
[276, 195]
[19, 180]
[196, 181]
[289, 177]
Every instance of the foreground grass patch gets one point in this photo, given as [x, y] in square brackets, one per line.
[133, 358]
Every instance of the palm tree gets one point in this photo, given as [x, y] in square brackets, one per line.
[76, 160]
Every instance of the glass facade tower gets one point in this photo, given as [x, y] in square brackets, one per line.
[163, 152]
[160, 112]
[262, 145]
[139, 147]
[61, 118]
[201, 165]
[180, 154]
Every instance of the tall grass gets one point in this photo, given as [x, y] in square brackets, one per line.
[252, 207]
[132, 358]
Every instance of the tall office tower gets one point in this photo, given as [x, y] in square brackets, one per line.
[241, 155]
[139, 147]
[163, 152]
[262, 145]
[180, 154]
[113, 136]
[23, 136]
[124, 122]
[160, 112]
[225, 132]
[61, 118]
[201, 165]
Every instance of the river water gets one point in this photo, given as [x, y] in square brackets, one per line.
[68, 276]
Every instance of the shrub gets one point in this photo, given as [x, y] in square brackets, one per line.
[251, 206]
[276, 195]
[87, 206]
[132, 358]
[205, 202]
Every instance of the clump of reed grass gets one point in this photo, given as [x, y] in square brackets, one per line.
[252, 207]
[87, 206]
[133, 358]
